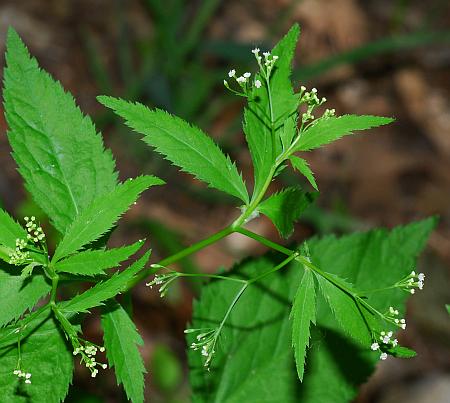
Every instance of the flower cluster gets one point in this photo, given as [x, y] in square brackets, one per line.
[312, 100]
[206, 340]
[411, 282]
[19, 256]
[22, 375]
[392, 316]
[385, 338]
[163, 280]
[35, 232]
[88, 353]
[265, 62]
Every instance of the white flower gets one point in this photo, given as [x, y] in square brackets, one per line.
[394, 343]
[241, 79]
[255, 51]
[247, 75]
[383, 356]
[421, 277]
[375, 346]
[257, 84]
[232, 73]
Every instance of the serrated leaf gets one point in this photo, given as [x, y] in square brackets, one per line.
[257, 115]
[302, 166]
[10, 230]
[94, 262]
[288, 132]
[285, 207]
[348, 313]
[121, 340]
[325, 131]
[104, 290]
[45, 355]
[17, 294]
[59, 153]
[102, 214]
[184, 145]
[303, 313]
[336, 366]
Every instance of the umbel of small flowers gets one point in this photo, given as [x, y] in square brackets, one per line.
[26, 376]
[163, 280]
[19, 256]
[411, 282]
[392, 316]
[35, 231]
[88, 352]
[266, 63]
[206, 340]
[384, 342]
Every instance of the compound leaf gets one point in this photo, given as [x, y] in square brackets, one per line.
[104, 290]
[102, 214]
[59, 153]
[324, 131]
[258, 329]
[303, 313]
[94, 262]
[184, 145]
[121, 342]
[285, 207]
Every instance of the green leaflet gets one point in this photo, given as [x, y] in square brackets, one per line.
[302, 166]
[10, 230]
[347, 312]
[325, 131]
[184, 145]
[104, 290]
[102, 214]
[257, 116]
[46, 357]
[333, 360]
[59, 153]
[19, 294]
[285, 207]
[121, 340]
[288, 132]
[303, 313]
[94, 262]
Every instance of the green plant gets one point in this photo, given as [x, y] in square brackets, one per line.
[336, 300]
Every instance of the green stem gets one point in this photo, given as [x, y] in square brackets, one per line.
[264, 241]
[276, 268]
[180, 255]
[55, 281]
[200, 275]
[272, 119]
[230, 308]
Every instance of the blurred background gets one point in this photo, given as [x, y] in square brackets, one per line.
[378, 57]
